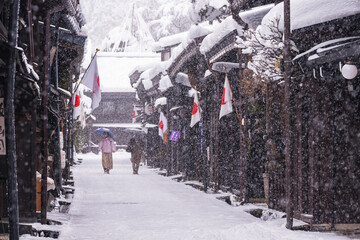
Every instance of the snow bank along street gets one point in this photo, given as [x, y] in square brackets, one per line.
[149, 206]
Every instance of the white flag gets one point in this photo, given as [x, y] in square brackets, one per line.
[82, 116]
[91, 79]
[226, 101]
[77, 104]
[162, 125]
[195, 115]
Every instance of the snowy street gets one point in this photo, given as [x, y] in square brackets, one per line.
[149, 206]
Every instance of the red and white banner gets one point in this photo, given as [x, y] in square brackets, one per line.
[195, 115]
[77, 104]
[91, 79]
[79, 108]
[162, 126]
[226, 101]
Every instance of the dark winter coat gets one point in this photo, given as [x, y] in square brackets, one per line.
[136, 152]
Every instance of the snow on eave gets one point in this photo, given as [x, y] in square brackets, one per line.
[183, 79]
[160, 101]
[219, 32]
[142, 67]
[147, 76]
[148, 84]
[324, 44]
[305, 13]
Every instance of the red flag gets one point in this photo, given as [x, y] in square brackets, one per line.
[226, 104]
[196, 115]
[91, 79]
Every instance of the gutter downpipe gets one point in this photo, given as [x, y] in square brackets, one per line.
[10, 124]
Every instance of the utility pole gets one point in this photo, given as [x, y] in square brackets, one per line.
[287, 78]
[10, 124]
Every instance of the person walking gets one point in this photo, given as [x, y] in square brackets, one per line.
[107, 147]
[136, 153]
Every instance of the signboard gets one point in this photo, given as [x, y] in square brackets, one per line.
[174, 136]
[2, 128]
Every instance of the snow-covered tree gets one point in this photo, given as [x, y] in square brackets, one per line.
[265, 48]
[159, 18]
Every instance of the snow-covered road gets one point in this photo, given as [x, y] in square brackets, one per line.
[149, 206]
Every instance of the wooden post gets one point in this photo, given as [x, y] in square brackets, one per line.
[10, 124]
[287, 76]
[45, 93]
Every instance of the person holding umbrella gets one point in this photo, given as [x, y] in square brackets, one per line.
[107, 147]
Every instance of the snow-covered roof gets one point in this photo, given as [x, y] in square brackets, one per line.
[147, 76]
[309, 12]
[114, 69]
[219, 32]
[254, 16]
[169, 41]
[197, 31]
[165, 83]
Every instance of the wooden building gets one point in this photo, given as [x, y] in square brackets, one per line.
[42, 89]
[324, 123]
[326, 129]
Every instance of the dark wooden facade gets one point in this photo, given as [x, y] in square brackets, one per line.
[326, 126]
[36, 37]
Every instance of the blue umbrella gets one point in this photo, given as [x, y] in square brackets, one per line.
[102, 130]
